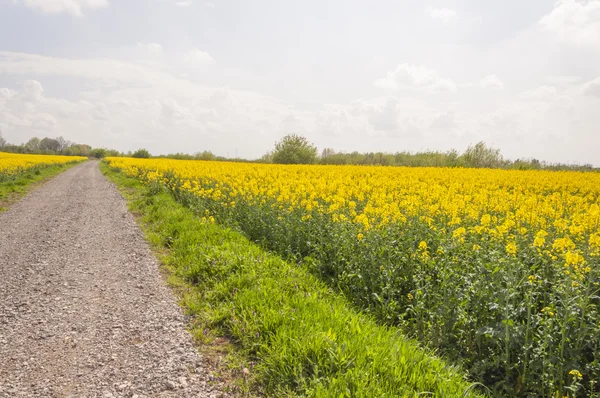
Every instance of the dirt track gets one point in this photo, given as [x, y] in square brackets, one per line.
[84, 311]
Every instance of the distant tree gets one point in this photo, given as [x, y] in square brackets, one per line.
[81, 149]
[205, 155]
[178, 156]
[98, 153]
[266, 158]
[63, 144]
[113, 153]
[480, 155]
[141, 153]
[452, 158]
[49, 145]
[33, 145]
[294, 149]
[327, 152]
[2, 140]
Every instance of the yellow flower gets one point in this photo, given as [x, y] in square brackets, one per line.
[12, 164]
[486, 219]
[574, 259]
[563, 244]
[459, 234]
[511, 248]
[551, 215]
[548, 310]
[576, 374]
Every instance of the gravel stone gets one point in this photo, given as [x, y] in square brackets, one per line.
[84, 310]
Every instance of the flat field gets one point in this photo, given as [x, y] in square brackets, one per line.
[13, 165]
[496, 270]
[19, 173]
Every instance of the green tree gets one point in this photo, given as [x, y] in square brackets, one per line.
[63, 144]
[49, 145]
[480, 155]
[98, 153]
[33, 145]
[2, 140]
[266, 158]
[141, 153]
[294, 149]
[81, 149]
[205, 155]
[327, 152]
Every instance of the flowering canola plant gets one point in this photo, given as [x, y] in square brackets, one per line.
[11, 164]
[497, 268]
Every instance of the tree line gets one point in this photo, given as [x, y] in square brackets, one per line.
[295, 149]
[60, 146]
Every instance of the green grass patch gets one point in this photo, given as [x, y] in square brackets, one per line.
[295, 336]
[13, 189]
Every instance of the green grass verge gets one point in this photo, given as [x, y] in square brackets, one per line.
[15, 188]
[302, 338]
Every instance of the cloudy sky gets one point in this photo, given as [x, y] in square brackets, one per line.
[227, 76]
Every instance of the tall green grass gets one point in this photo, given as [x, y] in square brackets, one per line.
[304, 339]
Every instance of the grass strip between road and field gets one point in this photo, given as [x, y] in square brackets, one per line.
[15, 188]
[293, 335]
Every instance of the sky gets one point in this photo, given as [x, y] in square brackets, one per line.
[233, 77]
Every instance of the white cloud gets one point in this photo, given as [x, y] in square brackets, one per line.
[146, 102]
[24, 109]
[151, 48]
[110, 97]
[563, 79]
[592, 88]
[334, 121]
[197, 56]
[542, 93]
[384, 117]
[491, 81]
[32, 90]
[406, 75]
[444, 121]
[445, 15]
[73, 7]
[548, 123]
[575, 22]
[101, 69]
[6, 93]
[136, 95]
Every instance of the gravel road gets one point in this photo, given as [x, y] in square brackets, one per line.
[84, 311]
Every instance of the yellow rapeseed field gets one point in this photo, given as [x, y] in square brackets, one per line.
[557, 211]
[12, 164]
[496, 267]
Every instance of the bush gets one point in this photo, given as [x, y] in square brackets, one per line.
[480, 155]
[98, 153]
[294, 149]
[141, 154]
